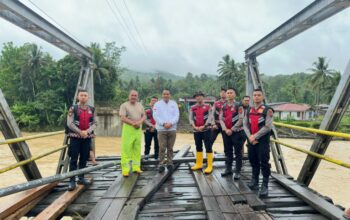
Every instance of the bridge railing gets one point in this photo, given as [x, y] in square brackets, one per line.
[36, 136]
[33, 158]
[311, 153]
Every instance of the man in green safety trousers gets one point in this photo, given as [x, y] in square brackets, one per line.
[132, 115]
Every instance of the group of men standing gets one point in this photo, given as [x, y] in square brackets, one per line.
[236, 121]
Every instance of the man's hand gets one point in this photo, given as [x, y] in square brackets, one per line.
[252, 139]
[135, 124]
[201, 128]
[167, 125]
[214, 127]
[152, 128]
[84, 134]
[228, 132]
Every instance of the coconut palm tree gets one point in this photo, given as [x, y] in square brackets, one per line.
[228, 71]
[332, 85]
[32, 63]
[321, 74]
[99, 65]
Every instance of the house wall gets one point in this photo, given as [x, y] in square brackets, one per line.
[308, 115]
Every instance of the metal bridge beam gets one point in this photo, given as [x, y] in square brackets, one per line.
[337, 108]
[20, 150]
[22, 16]
[311, 15]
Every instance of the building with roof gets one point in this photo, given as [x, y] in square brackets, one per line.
[285, 110]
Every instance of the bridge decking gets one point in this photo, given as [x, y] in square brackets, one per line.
[187, 195]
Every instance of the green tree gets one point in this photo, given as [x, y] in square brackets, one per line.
[321, 74]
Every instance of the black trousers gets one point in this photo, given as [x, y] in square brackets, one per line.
[148, 141]
[200, 137]
[234, 142]
[79, 148]
[215, 133]
[259, 157]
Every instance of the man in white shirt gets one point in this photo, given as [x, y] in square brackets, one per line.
[166, 114]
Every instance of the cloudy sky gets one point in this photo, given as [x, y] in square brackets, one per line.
[191, 36]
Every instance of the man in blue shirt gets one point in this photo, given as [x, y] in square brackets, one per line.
[166, 114]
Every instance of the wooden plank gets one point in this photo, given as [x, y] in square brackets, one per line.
[213, 215]
[243, 208]
[121, 188]
[255, 202]
[215, 186]
[26, 208]
[225, 204]
[290, 201]
[315, 201]
[230, 216]
[138, 199]
[115, 196]
[211, 204]
[216, 201]
[202, 184]
[228, 185]
[56, 208]
[253, 216]
[294, 210]
[21, 199]
[114, 209]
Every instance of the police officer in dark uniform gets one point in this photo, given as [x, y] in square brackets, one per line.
[245, 102]
[231, 120]
[200, 120]
[257, 126]
[216, 128]
[81, 123]
[151, 131]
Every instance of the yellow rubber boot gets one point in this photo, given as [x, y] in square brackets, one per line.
[199, 161]
[209, 169]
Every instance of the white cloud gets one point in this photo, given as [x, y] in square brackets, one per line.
[191, 36]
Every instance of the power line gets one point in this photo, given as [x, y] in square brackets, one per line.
[64, 29]
[120, 23]
[135, 26]
[126, 24]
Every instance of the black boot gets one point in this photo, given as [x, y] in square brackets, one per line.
[170, 167]
[237, 172]
[254, 183]
[237, 175]
[83, 181]
[161, 169]
[228, 170]
[264, 192]
[71, 185]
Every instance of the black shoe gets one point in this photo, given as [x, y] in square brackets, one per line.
[146, 157]
[161, 169]
[264, 192]
[254, 183]
[170, 168]
[237, 176]
[83, 181]
[71, 185]
[228, 171]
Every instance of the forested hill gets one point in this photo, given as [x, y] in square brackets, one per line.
[129, 74]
